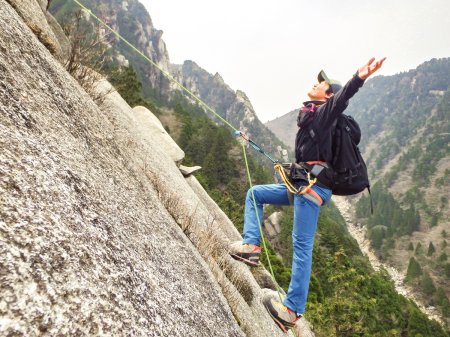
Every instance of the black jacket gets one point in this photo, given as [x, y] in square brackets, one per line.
[321, 122]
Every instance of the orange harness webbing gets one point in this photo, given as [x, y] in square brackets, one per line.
[303, 190]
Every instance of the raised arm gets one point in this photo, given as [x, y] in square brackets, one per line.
[369, 68]
[337, 103]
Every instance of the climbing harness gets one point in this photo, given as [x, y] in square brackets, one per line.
[208, 108]
[302, 190]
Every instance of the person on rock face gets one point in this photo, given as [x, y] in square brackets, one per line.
[328, 99]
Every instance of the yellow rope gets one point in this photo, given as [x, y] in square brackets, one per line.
[291, 188]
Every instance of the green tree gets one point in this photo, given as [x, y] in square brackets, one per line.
[441, 299]
[376, 235]
[418, 250]
[414, 269]
[431, 249]
[427, 285]
[447, 270]
[127, 84]
[416, 324]
[442, 257]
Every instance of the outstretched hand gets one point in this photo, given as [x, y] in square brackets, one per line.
[369, 68]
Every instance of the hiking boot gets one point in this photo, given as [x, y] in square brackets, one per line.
[245, 252]
[282, 315]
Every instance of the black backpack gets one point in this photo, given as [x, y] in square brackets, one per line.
[348, 172]
[349, 169]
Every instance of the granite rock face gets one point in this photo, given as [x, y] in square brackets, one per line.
[33, 14]
[87, 247]
[100, 233]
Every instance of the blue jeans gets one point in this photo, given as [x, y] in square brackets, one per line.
[306, 214]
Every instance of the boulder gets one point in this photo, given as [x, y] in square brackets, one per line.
[150, 127]
[272, 224]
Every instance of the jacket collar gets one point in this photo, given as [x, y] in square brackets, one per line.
[309, 103]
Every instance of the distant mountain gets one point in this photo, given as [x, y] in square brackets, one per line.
[405, 120]
[285, 127]
[232, 105]
[131, 20]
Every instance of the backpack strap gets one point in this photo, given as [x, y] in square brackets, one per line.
[371, 202]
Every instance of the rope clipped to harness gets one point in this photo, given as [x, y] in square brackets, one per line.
[291, 188]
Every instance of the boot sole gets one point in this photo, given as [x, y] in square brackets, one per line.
[281, 325]
[246, 261]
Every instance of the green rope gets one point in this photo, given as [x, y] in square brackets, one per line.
[165, 73]
[259, 223]
[171, 78]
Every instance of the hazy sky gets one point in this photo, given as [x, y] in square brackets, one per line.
[273, 50]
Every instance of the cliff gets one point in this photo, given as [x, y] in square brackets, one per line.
[100, 233]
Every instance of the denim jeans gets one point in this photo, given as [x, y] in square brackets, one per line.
[306, 214]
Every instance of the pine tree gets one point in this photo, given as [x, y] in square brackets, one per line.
[418, 250]
[442, 257]
[447, 270]
[414, 269]
[427, 285]
[126, 82]
[431, 249]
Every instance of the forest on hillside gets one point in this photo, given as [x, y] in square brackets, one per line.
[406, 126]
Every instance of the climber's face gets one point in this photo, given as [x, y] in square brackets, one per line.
[320, 92]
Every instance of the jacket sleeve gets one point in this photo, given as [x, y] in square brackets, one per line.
[329, 112]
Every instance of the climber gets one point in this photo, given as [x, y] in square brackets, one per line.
[328, 99]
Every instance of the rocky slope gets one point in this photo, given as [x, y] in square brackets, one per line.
[100, 233]
[359, 232]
